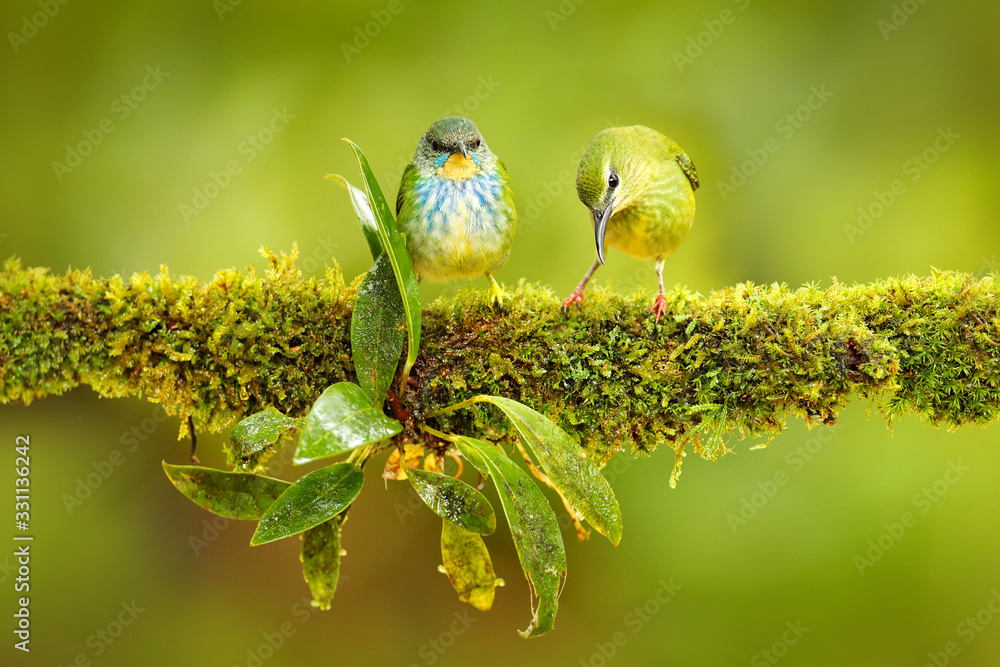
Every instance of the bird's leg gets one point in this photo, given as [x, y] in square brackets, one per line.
[660, 302]
[577, 295]
[496, 296]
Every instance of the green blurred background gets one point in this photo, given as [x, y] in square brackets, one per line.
[540, 80]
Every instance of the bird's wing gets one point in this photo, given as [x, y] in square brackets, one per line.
[408, 174]
[688, 166]
[507, 191]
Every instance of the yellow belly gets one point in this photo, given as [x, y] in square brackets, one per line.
[648, 237]
[652, 225]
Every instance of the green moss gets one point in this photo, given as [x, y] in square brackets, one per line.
[215, 351]
[735, 362]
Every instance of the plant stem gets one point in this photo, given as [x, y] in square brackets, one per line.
[438, 434]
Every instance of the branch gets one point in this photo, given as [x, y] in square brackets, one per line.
[738, 361]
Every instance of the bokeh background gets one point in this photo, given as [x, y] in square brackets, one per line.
[159, 99]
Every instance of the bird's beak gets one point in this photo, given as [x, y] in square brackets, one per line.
[465, 151]
[600, 227]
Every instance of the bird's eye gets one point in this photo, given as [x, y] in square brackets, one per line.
[612, 180]
[436, 146]
[474, 144]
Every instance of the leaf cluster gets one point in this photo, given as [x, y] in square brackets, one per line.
[350, 418]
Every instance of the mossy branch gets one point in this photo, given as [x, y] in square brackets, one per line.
[738, 361]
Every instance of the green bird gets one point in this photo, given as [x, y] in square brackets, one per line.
[639, 188]
[456, 206]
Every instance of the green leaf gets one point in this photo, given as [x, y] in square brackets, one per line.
[315, 498]
[359, 199]
[533, 526]
[341, 419]
[453, 500]
[395, 246]
[259, 431]
[477, 461]
[377, 330]
[468, 566]
[576, 477]
[235, 495]
[321, 560]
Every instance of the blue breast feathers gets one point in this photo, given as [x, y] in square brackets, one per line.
[477, 203]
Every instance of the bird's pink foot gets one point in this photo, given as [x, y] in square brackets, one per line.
[576, 297]
[659, 307]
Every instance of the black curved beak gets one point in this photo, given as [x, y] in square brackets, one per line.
[465, 151]
[600, 227]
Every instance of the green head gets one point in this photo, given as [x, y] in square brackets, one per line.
[616, 170]
[453, 136]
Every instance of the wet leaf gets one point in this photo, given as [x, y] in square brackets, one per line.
[260, 431]
[453, 500]
[394, 244]
[315, 498]
[477, 461]
[468, 566]
[342, 419]
[533, 526]
[575, 476]
[234, 495]
[396, 469]
[359, 199]
[377, 330]
[321, 560]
